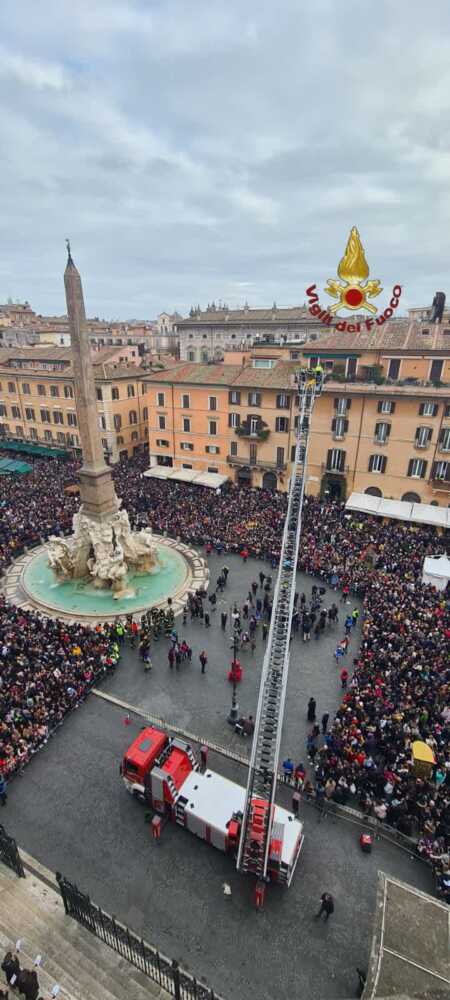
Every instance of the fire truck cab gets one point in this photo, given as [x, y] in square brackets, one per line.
[164, 772]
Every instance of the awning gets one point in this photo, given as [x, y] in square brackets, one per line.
[33, 449]
[400, 510]
[213, 480]
[8, 465]
[159, 472]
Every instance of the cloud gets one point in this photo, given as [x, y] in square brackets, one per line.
[204, 150]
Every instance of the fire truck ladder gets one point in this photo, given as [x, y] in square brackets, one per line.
[258, 815]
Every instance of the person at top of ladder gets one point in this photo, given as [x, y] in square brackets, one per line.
[318, 374]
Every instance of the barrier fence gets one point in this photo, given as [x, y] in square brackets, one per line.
[164, 971]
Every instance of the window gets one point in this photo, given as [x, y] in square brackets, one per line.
[280, 457]
[444, 439]
[428, 409]
[41, 390]
[72, 419]
[131, 393]
[3, 410]
[212, 402]
[377, 463]
[143, 388]
[282, 401]
[187, 425]
[441, 470]
[382, 432]
[132, 416]
[351, 367]
[61, 437]
[394, 368]
[186, 465]
[212, 426]
[191, 355]
[313, 361]
[160, 399]
[19, 430]
[48, 436]
[29, 413]
[341, 405]
[25, 389]
[45, 416]
[234, 396]
[436, 370]
[115, 392]
[282, 424]
[233, 447]
[98, 392]
[253, 423]
[102, 422]
[234, 420]
[54, 391]
[33, 433]
[447, 411]
[58, 417]
[187, 446]
[253, 454]
[335, 460]
[212, 449]
[15, 412]
[212, 468]
[262, 363]
[145, 413]
[423, 437]
[417, 468]
[117, 419]
[119, 439]
[161, 422]
[339, 426]
[254, 399]
[386, 406]
[186, 401]
[11, 387]
[162, 443]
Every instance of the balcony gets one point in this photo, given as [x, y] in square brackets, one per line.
[260, 434]
[260, 463]
[440, 485]
[335, 472]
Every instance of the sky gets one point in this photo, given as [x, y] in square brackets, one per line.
[199, 150]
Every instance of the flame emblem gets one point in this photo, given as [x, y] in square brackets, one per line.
[353, 270]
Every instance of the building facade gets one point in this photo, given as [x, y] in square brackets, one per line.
[37, 401]
[205, 335]
[381, 426]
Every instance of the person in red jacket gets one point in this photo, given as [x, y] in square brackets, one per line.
[344, 678]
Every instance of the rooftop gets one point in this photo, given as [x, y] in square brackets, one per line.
[247, 315]
[401, 334]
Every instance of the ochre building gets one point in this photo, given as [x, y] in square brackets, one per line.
[382, 424]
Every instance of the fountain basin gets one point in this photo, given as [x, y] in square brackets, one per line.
[30, 582]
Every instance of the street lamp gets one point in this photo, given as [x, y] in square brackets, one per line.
[233, 715]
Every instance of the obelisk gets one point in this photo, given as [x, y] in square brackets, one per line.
[98, 496]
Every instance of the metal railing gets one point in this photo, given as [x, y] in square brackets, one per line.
[164, 971]
[9, 853]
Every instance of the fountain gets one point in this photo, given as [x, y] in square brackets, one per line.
[104, 568]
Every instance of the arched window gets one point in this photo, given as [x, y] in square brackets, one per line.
[373, 491]
[411, 497]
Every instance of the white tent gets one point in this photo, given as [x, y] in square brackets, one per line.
[400, 510]
[213, 480]
[436, 571]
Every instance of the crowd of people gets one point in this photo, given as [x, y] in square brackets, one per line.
[398, 686]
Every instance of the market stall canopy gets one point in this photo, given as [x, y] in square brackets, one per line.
[400, 510]
[8, 465]
[213, 480]
[436, 571]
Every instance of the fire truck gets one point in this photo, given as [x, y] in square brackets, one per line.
[265, 839]
[164, 772]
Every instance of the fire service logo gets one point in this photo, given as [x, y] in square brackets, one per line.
[353, 290]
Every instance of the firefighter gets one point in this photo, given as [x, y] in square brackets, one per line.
[318, 374]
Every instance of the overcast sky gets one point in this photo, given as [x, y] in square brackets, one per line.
[205, 149]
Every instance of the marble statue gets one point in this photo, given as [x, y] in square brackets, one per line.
[105, 551]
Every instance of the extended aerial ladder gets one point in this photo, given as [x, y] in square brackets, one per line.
[257, 828]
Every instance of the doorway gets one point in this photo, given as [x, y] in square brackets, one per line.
[269, 481]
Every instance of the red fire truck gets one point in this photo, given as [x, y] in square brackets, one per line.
[163, 771]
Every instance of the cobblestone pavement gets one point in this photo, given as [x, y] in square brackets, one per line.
[71, 811]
